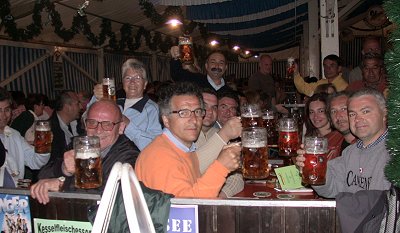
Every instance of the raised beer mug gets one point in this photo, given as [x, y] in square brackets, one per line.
[288, 140]
[109, 88]
[43, 137]
[254, 153]
[186, 50]
[88, 167]
[314, 169]
[251, 115]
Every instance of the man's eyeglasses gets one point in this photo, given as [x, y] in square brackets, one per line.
[135, 78]
[186, 113]
[105, 125]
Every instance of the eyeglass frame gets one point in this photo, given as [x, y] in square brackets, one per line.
[101, 123]
[182, 111]
[135, 78]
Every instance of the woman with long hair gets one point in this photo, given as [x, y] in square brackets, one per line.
[319, 124]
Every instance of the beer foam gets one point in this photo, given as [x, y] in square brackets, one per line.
[249, 115]
[42, 128]
[288, 130]
[265, 117]
[109, 82]
[87, 155]
[254, 145]
[315, 151]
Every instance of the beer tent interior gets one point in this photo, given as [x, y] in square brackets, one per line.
[47, 46]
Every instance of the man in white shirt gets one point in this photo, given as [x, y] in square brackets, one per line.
[18, 153]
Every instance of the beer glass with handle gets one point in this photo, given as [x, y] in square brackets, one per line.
[88, 170]
[251, 115]
[269, 123]
[186, 49]
[43, 137]
[254, 153]
[314, 169]
[109, 88]
[288, 140]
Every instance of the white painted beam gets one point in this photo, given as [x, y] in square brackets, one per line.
[329, 28]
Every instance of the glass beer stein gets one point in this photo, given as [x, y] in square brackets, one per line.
[186, 50]
[251, 115]
[254, 153]
[314, 169]
[43, 137]
[288, 141]
[269, 123]
[109, 88]
[87, 162]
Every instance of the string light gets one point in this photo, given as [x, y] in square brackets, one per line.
[214, 43]
[174, 22]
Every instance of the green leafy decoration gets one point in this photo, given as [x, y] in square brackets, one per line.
[79, 25]
[392, 63]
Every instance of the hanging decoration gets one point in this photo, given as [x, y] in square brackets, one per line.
[187, 28]
[155, 41]
[392, 63]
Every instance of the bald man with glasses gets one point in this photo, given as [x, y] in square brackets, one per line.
[104, 119]
[170, 162]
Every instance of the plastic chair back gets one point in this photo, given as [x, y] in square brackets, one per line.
[137, 212]
[107, 200]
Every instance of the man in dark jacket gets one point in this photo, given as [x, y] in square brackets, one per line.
[216, 66]
[104, 119]
[64, 123]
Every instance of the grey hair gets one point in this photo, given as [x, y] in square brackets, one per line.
[378, 96]
[370, 56]
[177, 89]
[136, 65]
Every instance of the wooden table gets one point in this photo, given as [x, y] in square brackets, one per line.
[242, 213]
[251, 188]
[306, 212]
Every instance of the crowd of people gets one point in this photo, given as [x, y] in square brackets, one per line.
[180, 135]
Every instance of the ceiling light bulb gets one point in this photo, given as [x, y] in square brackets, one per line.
[236, 47]
[247, 52]
[214, 43]
[174, 22]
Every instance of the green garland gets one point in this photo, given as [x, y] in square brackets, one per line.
[80, 25]
[392, 63]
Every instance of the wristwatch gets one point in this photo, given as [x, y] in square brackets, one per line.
[61, 180]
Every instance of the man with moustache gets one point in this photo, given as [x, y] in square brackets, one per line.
[212, 140]
[361, 166]
[104, 119]
[170, 162]
[216, 66]
[140, 112]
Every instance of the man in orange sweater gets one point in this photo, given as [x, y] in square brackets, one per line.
[170, 163]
